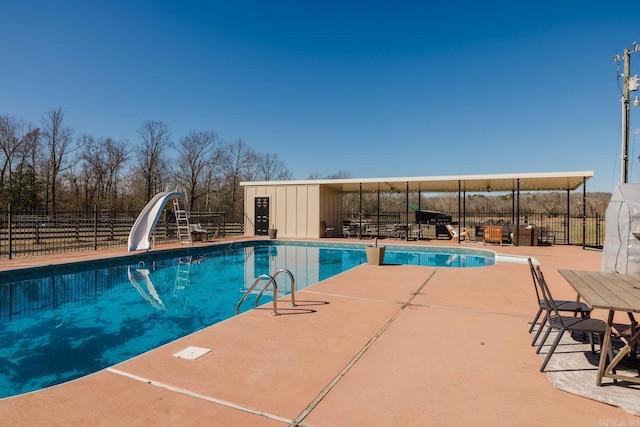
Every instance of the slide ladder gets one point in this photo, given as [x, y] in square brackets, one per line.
[182, 222]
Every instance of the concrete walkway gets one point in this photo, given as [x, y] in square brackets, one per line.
[374, 346]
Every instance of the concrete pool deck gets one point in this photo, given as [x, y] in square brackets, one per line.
[375, 346]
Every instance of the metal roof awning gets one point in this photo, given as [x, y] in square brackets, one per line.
[547, 181]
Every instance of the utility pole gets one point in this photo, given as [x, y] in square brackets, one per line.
[624, 168]
[629, 84]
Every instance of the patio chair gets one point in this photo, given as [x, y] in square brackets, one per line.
[464, 233]
[198, 233]
[371, 230]
[567, 323]
[492, 234]
[414, 232]
[390, 230]
[327, 230]
[546, 235]
[565, 306]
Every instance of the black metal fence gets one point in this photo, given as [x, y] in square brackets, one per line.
[35, 233]
[557, 228]
[28, 233]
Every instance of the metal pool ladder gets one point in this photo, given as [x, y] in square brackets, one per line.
[271, 280]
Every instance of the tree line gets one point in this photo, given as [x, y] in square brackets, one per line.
[551, 203]
[544, 202]
[47, 167]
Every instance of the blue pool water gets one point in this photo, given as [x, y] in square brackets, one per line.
[61, 323]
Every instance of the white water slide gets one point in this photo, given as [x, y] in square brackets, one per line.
[140, 234]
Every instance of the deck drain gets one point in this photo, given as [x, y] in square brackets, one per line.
[192, 353]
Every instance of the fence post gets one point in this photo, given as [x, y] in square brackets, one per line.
[9, 231]
[36, 227]
[112, 221]
[95, 227]
[597, 229]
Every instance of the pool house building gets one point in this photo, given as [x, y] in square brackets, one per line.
[314, 208]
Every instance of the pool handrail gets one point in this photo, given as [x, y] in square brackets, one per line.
[271, 280]
[293, 286]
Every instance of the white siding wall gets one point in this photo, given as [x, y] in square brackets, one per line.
[295, 210]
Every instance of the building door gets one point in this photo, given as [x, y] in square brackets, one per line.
[262, 216]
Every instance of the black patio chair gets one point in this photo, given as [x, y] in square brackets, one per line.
[563, 306]
[328, 231]
[567, 323]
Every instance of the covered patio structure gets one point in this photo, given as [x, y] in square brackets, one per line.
[313, 208]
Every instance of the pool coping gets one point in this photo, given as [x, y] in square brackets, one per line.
[395, 380]
[7, 275]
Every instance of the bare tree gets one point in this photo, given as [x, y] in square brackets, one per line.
[10, 144]
[237, 164]
[102, 160]
[151, 155]
[337, 175]
[116, 157]
[199, 154]
[57, 139]
[23, 187]
[91, 171]
[269, 167]
[548, 202]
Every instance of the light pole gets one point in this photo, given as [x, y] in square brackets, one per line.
[629, 84]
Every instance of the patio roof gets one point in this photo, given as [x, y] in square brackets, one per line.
[545, 181]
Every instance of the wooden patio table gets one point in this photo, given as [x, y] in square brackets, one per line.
[613, 292]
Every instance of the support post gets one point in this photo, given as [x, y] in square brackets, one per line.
[406, 237]
[567, 228]
[516, 230]
[459, 209]
[378, 214]
[360, 215]
[464, 208]
[513, 206]
[419, 216]
[584, 212]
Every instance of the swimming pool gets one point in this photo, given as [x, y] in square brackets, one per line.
[63, 322]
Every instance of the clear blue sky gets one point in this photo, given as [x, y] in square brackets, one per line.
[377, 89]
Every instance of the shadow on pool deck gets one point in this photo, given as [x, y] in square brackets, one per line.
[385, 346]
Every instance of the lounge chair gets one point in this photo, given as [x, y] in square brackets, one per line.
[492, 234]
[567, 323]
[564, 306]
[453, 231]
[198, 233]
